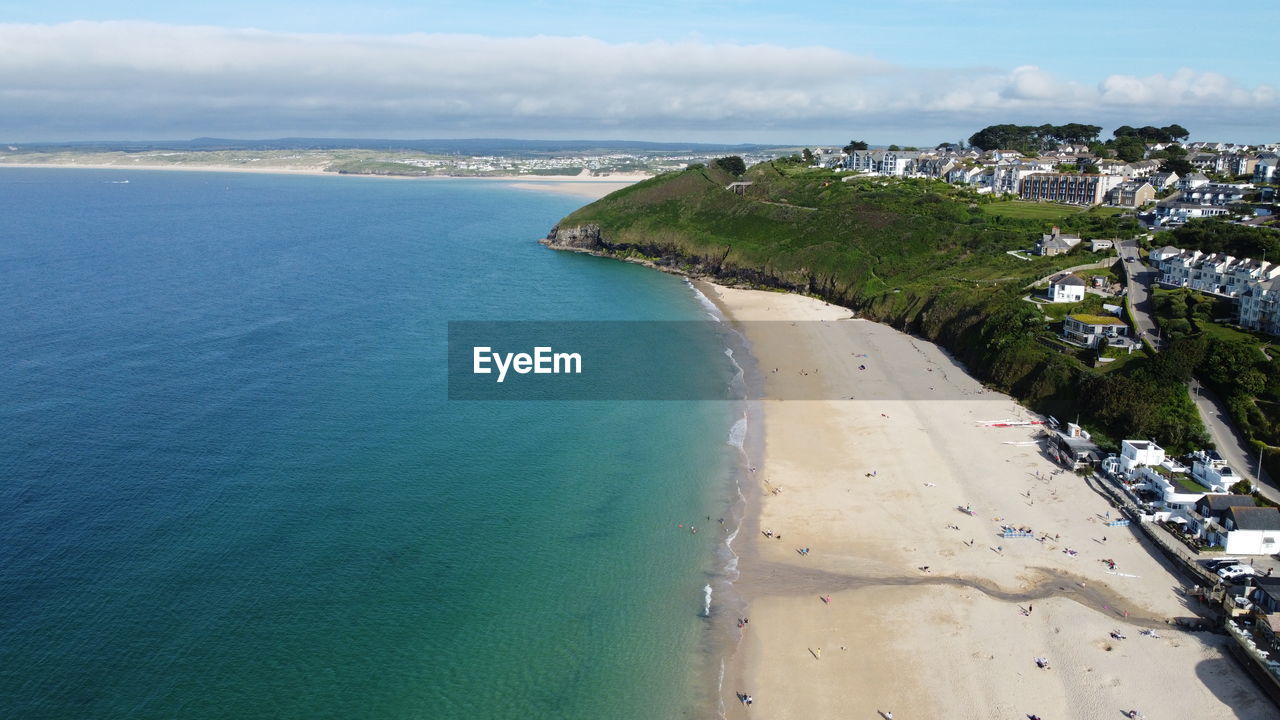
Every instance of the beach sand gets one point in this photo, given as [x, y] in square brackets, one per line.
[960, 639]
[583, 185]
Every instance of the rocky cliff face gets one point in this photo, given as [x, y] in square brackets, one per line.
[584, 238]
[668, 258]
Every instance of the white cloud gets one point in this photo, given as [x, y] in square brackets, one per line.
[88, 79]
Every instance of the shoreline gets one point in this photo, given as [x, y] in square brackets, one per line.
[582, 185]
[921, 621]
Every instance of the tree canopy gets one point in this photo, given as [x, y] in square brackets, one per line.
[1033, 138]
[1210, 236]
[1151, 133]
[855, 145]
[732, 164]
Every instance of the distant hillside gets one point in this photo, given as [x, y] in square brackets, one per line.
[923, 256]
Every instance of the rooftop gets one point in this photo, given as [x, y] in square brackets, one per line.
[1096, 319]
[1222, 502]
[1255, 518]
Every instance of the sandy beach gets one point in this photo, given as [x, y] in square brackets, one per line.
[583, 185]
[903, 603]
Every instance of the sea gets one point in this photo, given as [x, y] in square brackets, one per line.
[233, 485]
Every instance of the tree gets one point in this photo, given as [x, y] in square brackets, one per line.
[732, 164]
[808, 156]
[1227, 362]
[855, 145]
[1089, 168]
[1177, 132]
[1179, 359]
[1129, 148]
[894, 147]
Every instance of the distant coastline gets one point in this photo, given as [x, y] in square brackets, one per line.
[582, 185]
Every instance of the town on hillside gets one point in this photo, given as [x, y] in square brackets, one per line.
[1146, 170]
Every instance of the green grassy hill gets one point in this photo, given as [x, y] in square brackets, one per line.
[926, 257]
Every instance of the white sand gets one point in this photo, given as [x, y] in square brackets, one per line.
[952, 642]
[582, 185]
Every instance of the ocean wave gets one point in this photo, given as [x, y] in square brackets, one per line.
[712, 311]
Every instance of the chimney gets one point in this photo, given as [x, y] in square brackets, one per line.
[1055, 231]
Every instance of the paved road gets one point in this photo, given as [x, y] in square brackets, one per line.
[1087, 266]
[1231, 446]
[1226, 438]
[1140, 278]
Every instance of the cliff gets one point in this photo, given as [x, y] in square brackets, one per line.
[922, 256]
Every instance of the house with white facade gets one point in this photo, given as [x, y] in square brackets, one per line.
[1215, 194]
[1216, 273]
[1251, 530]
[1177, 213]
[1139, 453]
[896, 163]
[1265, 169]
[1163, 180]
[1089, 330]
[1210, 470]
[1205, 520]
[961, 175]
[1260, 306]
[1192, 181]
[1066, 288]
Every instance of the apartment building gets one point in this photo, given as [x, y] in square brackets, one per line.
[1068, 188]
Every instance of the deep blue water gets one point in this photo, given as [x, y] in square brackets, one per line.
[231, 484]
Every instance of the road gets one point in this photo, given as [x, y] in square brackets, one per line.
[1140, 278]
[1231, 446]
[1226, 438]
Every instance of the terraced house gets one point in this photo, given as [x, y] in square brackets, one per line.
[1255, 284]
[1215, 273]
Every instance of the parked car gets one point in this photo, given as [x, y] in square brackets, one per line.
[1217, 564]
[1236, 572]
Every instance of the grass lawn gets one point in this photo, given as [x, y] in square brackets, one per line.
[1025, 210]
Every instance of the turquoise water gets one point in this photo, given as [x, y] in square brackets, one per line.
[231, 484]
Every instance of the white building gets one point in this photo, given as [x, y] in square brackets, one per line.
[1252, 530]
[1175, 213]
[1260, 306]
[1066, 288]
[1216, 273]
[1220, 194]
[1136, 453]
[1192, 181]
[1210, 470]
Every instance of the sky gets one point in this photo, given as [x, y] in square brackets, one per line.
[807, 73]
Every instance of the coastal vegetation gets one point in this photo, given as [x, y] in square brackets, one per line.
[1239, 365]
[921, 255]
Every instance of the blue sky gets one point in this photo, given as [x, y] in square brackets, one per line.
[907, 70]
